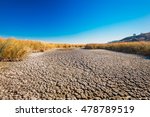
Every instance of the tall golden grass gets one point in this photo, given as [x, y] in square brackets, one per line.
[15, 50]
[142, 48]
[12, 50]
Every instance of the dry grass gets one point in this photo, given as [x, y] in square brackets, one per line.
[15, 50]
[12, 50]
[142, 48]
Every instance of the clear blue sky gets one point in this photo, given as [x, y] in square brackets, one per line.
[74, 21]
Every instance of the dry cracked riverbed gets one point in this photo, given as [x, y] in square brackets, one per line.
[76, 74]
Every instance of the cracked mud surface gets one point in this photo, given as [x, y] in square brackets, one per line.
[76, 74]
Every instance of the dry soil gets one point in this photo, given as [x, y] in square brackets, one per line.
[76, 74]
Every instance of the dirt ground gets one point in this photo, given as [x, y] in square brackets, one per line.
[76, 74]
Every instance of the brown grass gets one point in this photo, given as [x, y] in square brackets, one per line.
[142, 48]
[15, 50]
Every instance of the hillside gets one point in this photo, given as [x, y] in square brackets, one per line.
[140, 37]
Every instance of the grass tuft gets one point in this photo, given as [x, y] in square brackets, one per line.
[12, 50]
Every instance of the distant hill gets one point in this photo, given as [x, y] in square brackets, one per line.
[140, 37]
